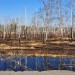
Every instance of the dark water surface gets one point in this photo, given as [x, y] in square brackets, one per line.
[36, 63]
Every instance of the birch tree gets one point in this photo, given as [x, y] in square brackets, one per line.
[72, 6]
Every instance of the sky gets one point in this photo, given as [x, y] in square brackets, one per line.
[16, 8]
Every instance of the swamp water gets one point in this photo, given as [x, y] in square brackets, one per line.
[33, 63]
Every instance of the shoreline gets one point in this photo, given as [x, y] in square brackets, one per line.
[42, 55]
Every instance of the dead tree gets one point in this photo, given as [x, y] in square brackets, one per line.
[4, 33]
[72, 6]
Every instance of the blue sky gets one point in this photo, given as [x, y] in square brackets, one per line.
[16, 8]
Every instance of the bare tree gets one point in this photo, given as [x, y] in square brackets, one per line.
[72, 6]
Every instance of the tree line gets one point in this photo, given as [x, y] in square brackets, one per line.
[54, 19]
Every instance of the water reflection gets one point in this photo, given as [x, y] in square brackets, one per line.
[36, 63]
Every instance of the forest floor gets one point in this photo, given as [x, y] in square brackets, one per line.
[37, 48]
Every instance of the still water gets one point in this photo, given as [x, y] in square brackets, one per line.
[35, 63]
